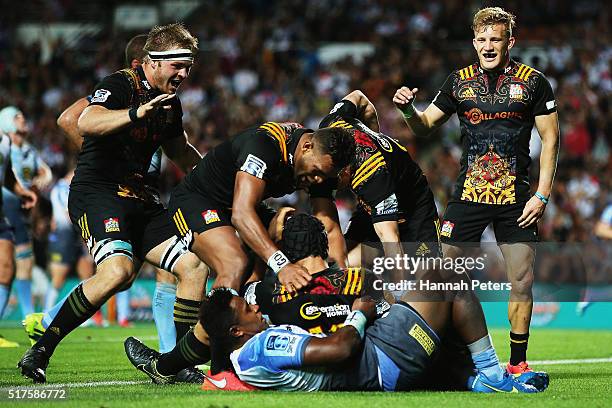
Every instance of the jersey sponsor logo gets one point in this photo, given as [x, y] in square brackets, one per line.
[551, 104]
[281, 344]
[310, 311]
[447, 228]
[422, 338]
[475, 115]
[516, 91]
[210, 216]
[111, 224]
[388, 206]
[422, 250]
[336, 107]
[254, 166]
[101, 95]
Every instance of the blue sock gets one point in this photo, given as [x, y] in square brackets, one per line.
[51, 313]
[485, 359]
[123, 305]
[24, 294]
[163, 314]
[4, 297]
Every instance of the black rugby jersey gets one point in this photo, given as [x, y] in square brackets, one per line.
[264, 151]
[122, 160]
[385, 179]
[320, 307]
[496, 112]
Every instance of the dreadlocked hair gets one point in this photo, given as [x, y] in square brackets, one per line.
[304, 236]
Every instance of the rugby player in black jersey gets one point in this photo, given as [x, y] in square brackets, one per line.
[395, 201]
[131, 114]
[497, 100]
[169, 330]
[223, 196]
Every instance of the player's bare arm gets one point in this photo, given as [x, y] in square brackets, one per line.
[182, 153]
[248, 193]
[44, 176]
[27, 197]
[68, 122]
[327, 212]
[421, 123]
[345, 342]
[366, 109]
[548, 128]
[99, 122]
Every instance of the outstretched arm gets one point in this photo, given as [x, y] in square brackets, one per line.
[421, 123]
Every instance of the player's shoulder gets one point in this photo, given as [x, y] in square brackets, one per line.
[527, 74]
[466, 73]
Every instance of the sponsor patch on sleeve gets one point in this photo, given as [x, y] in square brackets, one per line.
[281, 344]
[551, 104]
[254, 166]
[101, 95]
[388, 206]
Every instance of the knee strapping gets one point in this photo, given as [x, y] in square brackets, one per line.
[107, 248]
[172, 253]
[24, 254]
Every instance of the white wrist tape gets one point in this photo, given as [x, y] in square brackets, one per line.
[358, 320]
[277, 261]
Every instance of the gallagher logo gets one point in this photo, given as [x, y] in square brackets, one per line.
[475, 115]
[309, 311]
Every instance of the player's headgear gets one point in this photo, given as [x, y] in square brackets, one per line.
[304, 236]
[7, 119]
[171, 42]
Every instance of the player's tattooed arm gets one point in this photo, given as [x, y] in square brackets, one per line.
[366, 111]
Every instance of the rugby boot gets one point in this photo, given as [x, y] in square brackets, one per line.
[145, 360]
[34, 363]
[225, 381]
[190, 375]
[508, 384]
[33, 326]
[523, 373]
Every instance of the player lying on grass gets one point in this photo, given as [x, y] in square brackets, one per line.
[305, 242]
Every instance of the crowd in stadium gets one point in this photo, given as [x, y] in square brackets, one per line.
[252, 68]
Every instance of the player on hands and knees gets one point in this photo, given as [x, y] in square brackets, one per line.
[223, 195]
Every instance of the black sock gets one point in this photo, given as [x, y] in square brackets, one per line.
[518, 347]
[188, 352]
[75, 310]
[185, 315]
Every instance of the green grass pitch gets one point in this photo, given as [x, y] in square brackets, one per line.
[94, 355]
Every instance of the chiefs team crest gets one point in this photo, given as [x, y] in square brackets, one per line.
[111, 224]
[516, 91]
[210, 216]
[447, 229]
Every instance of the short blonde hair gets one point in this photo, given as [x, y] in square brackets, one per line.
[167, 37]
[491, 16]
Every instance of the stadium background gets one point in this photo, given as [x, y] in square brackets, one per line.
[277, 60]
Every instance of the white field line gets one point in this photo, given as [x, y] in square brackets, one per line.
[112, 383]
[572, 361]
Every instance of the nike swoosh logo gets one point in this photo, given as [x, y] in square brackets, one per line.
[218, 383]
[514, 390]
